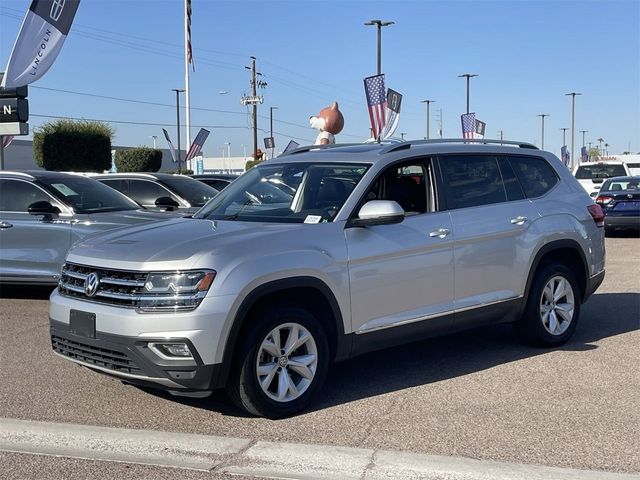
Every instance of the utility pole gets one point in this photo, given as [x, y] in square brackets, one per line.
[178, 91]
[501, 134]
[379, 24]
[542, 115]
[402, 134]
[468, 76]
[573, 123]
[427, 102]
[254, 99]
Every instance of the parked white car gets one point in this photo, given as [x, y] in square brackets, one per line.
[591, 175]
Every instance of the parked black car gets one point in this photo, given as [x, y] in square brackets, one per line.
[161, 191]
[216, 180]
[619, 198]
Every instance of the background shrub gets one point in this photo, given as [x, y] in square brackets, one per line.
[77, 145]
[141, 159]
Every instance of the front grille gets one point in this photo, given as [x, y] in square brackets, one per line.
[115, 287]
[100, 357]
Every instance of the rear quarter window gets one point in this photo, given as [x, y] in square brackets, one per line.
[536, 176]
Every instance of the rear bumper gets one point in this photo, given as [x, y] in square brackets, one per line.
[622, 221]
[131, 360]
[592, 284]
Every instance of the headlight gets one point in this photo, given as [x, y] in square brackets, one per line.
[175, 291]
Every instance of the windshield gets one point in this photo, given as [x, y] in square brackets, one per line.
[586, 172]
[89, 196]
[286, 193]
[193, 191]
[623, 185]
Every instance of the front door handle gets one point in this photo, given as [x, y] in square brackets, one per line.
[518, 220]
[4, 225]
[440, 233]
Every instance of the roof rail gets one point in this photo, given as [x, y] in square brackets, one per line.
[308, 148]
[409, 143]
[18, 174]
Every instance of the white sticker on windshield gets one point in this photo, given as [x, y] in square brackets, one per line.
[63, 189]
[313, 219]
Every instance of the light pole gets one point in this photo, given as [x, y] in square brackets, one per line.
[564, 135]
[178, 91]
[468, 76]
[573, 123]
[583, 132]
[427, 102]
[228, 144]
[542, 115]
[244, 150]
[379, 24]
[271, 109]
[402, 134]
[154, 140]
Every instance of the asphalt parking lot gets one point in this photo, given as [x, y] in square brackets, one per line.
[479, 394]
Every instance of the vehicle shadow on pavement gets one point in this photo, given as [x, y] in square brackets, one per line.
[26, 292]
[436, 359]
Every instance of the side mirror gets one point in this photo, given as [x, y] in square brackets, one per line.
[43, 208]
[378, 212]
[167, 202]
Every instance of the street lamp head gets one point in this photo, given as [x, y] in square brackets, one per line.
[379, 23]
[373, 22]
[469, 75]
[572, 94]
[427, 101]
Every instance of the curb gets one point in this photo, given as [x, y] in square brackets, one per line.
[238, 456]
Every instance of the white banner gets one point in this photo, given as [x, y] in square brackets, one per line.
[43, 32]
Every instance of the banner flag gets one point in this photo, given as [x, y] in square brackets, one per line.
[394, 102]
[188, 39]
[6, 140]
[172, 149]
[377, 103]
[564, 154]
[39, 41]
[584, 154]
[468, 125]
[197, 144]
[480, 128]
[292, 145]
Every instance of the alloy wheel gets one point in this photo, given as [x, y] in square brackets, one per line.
[557, 304]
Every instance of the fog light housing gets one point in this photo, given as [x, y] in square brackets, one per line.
[171, 351]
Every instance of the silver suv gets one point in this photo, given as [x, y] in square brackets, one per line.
[377, 245]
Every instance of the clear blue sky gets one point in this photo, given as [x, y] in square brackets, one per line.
[527, 54]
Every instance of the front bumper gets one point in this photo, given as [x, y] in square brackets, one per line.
[130, 359]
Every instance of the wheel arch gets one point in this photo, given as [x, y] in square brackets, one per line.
[301, 290]
[567, 252]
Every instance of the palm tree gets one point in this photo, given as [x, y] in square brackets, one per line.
[600, 149]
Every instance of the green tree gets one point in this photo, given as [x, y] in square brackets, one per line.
[76, 145]
[141, 159]
[594, 154]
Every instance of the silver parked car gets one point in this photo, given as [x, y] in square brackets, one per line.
[43, 213]
[379, 245]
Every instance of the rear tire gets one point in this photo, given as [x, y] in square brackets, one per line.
[281, 364]
[553, 307]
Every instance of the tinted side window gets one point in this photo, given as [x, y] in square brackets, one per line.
[408, 184]
[511, 183]
[472, 180]
[146, 193]
[536, 176]
[16, 195]
[119, 185]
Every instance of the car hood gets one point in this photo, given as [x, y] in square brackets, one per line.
[173, 244]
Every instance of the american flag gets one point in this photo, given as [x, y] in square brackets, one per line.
[189, 51]
[564, 154]
[377, 102]
[197, 144]
[584, 154]
[468, 125]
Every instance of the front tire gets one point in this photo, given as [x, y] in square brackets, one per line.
[553, 307]
[282, 363]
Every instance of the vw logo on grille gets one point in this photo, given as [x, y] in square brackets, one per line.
[629, 195]
[56, 9]
[91, 284]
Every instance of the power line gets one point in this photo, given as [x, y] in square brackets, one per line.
[131, 122]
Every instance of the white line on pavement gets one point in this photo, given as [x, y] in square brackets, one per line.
[263, 459]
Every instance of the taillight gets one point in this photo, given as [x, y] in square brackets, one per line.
[597, 214]
[604, 200]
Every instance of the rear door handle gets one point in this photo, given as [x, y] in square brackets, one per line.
[518, 220]
[4, 225]
[440, 233]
